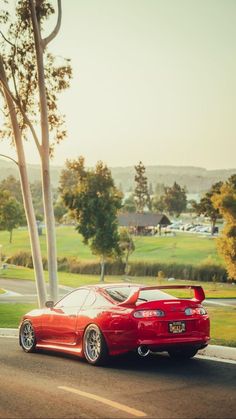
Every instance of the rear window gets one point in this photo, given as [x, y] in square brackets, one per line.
[121, 294]
[153, 295]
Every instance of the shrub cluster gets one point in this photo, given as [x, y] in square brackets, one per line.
[203, 272]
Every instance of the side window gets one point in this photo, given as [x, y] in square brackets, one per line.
[74, 299]
[90, 299]
[101, 302]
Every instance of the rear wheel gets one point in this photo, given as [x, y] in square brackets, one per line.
[183, 353]
[94, 345]
[27, 336]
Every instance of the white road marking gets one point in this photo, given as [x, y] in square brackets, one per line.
[108, 402]
[9, 293]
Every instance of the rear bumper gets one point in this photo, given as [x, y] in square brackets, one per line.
[170, 343]
[159, 344]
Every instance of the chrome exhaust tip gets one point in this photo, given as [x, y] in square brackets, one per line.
[143, 350]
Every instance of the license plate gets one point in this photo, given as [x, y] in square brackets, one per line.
[177, 327]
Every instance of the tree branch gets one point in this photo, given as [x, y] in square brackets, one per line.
[7, 157]
[55, 31]
[19, 106]
[5, 39]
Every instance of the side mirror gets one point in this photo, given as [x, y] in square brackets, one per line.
[49, 304]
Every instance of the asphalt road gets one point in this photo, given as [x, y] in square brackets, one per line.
[23, 291]
[45, 385]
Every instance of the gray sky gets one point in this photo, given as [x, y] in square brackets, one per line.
[154, 80]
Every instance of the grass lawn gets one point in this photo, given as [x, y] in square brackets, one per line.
[223, 325]
[223, 330]
[10, 314]
[183, 248]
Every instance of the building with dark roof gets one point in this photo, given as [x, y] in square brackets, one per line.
[146, 223]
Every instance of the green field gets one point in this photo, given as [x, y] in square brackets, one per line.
[183, 248]
[223, 331]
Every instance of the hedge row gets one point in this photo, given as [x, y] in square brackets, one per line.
[204, 272]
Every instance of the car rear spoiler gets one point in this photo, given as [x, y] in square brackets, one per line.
[199, 294]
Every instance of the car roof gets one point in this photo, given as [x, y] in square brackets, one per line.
[111, 285]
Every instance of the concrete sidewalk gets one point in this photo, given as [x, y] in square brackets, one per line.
[212, 351]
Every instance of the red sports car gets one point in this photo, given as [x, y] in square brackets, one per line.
[102, 320]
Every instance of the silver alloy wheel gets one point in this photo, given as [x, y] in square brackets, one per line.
[93, 344]
[27, 336]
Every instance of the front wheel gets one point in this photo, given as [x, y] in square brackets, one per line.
[27, 336]
[183, 353]
[94, 345]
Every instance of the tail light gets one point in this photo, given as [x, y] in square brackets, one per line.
[143, 314]
[197, 310]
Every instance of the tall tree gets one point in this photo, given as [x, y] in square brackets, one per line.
[174, 200]
[206, 207]
[27, 68]
[225, 202]
[94, 201]
[141, 194]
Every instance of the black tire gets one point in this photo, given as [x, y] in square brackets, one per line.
[183, 353]
[94, 346]
[27, 336]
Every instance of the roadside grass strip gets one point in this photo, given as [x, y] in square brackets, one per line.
[105, 401]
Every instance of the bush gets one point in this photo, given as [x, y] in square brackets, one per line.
[204, 272]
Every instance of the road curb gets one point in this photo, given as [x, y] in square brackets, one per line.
[8, 332]
[221, 352]
[212, 351]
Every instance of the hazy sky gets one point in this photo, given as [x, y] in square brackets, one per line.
[154, 80]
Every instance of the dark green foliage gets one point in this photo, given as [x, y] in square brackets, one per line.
[12, 185]
[174, 200]
[205, 206]
[11, 213]
[94, 201]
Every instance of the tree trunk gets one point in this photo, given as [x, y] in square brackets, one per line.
[50, 231]
[102, 269]
[213, 223]
[45, 165]
[26, 193]
[126, 263]
[10, 239]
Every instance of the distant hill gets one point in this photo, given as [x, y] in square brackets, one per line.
[195, 179]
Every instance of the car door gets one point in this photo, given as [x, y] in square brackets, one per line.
[59, 322]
